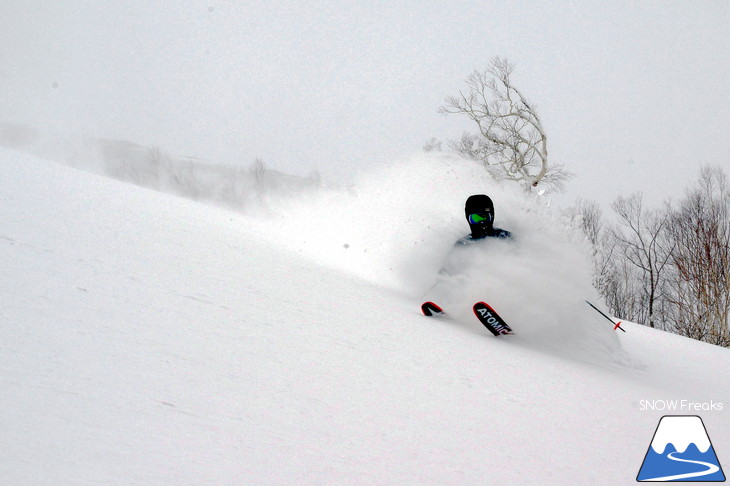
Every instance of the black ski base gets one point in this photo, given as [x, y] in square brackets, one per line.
[490, 319]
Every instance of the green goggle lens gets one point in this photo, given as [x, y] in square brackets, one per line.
[477, 218]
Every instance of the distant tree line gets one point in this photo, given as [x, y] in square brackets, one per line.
[667, 267]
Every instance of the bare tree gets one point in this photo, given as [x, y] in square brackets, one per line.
[258, 171]
[642, 241]
[155, 162]
[618, 281]
[605, 268]
[432, 145]
[700, 284]
[591, 221]
[511, 136]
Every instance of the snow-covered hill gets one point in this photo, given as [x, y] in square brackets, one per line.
[149, 339]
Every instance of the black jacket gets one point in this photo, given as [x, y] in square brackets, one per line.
[490, 233]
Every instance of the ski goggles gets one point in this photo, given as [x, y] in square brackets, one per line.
[478, 218]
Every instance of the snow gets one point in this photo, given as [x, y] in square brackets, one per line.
[152, 339]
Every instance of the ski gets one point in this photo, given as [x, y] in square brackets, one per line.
[430, 309]
[490, 319]
[484, 312]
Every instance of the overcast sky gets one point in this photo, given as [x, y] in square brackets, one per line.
[633, 94]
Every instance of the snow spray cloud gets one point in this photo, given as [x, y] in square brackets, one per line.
[397, 227]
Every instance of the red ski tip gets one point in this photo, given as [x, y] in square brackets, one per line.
[430, 309]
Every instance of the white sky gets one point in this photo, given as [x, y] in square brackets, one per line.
[633, 94]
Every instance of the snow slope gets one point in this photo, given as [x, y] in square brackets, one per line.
[149, 339]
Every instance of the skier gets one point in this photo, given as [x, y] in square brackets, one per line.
[479, 211]
[459, 282]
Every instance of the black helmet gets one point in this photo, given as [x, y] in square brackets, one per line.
[479, 211]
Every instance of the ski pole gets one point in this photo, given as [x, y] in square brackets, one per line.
[617, 325]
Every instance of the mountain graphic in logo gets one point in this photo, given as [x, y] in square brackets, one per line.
[681, 451]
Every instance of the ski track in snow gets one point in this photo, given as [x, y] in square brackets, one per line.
[148, 339]
[711, 469]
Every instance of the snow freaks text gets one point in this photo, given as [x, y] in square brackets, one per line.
[681, 406]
